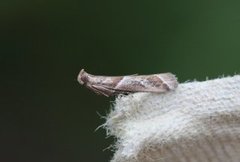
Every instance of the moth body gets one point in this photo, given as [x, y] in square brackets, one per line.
[113, 85]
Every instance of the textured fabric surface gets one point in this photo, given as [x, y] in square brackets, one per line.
[198, 122]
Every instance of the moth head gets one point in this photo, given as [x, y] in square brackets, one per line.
[82, 77]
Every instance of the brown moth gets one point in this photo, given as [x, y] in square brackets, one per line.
[114, 85]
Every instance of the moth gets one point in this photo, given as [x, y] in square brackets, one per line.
[114, 85]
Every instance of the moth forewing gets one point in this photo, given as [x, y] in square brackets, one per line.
[169, 79]
[113, 85]
[148, 83]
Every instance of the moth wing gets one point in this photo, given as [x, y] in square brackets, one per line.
[157, 83]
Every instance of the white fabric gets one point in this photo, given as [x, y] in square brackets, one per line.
[198, 122]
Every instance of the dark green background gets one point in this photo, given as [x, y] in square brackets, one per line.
[46, 116]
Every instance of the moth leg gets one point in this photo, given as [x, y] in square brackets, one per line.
[103, 90]
[97, 91]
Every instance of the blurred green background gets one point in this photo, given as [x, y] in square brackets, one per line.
[46, 116]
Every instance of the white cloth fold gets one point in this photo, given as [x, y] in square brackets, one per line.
[198, 122]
